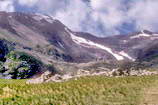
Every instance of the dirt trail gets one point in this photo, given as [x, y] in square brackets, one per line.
[150, 95]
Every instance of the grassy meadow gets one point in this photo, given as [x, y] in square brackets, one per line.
[97, 90]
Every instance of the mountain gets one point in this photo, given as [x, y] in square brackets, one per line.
[48, 40]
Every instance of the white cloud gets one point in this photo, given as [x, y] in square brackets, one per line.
[6, 5]
[144, 13]
[110, 13]
[74, 14]
[51, 6]
[29, 3]
[81, 16]
[96, 16]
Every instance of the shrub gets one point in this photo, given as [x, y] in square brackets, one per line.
[22, 65]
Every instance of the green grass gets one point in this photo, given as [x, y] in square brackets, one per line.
[98, 90]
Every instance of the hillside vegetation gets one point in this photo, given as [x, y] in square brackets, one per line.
[97, 90]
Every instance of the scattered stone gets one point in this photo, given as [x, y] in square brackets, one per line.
[48, 77]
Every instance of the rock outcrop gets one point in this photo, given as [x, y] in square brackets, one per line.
[48, 77]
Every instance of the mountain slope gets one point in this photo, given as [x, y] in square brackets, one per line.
[48, 40]
[36, 32]
[32, 30]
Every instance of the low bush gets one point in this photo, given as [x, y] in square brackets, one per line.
[20, 65]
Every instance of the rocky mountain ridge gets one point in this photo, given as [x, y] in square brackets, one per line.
[51, 42]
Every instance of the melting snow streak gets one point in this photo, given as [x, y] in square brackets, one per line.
[82, 41]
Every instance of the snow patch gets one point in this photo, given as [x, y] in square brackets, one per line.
[61, 45]
[124, 41]
[82, 41]
[10, 16]
[140, 35]
[155, 34]
[39, 17]
[126, 55]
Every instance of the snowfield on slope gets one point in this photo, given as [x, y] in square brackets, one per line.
[143, 34]
[126, 55]
[82, 41]
[39, 17]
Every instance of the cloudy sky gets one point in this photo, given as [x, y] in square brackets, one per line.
[100, 17]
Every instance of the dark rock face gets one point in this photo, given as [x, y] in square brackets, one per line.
[3, 50]
[149, 53]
